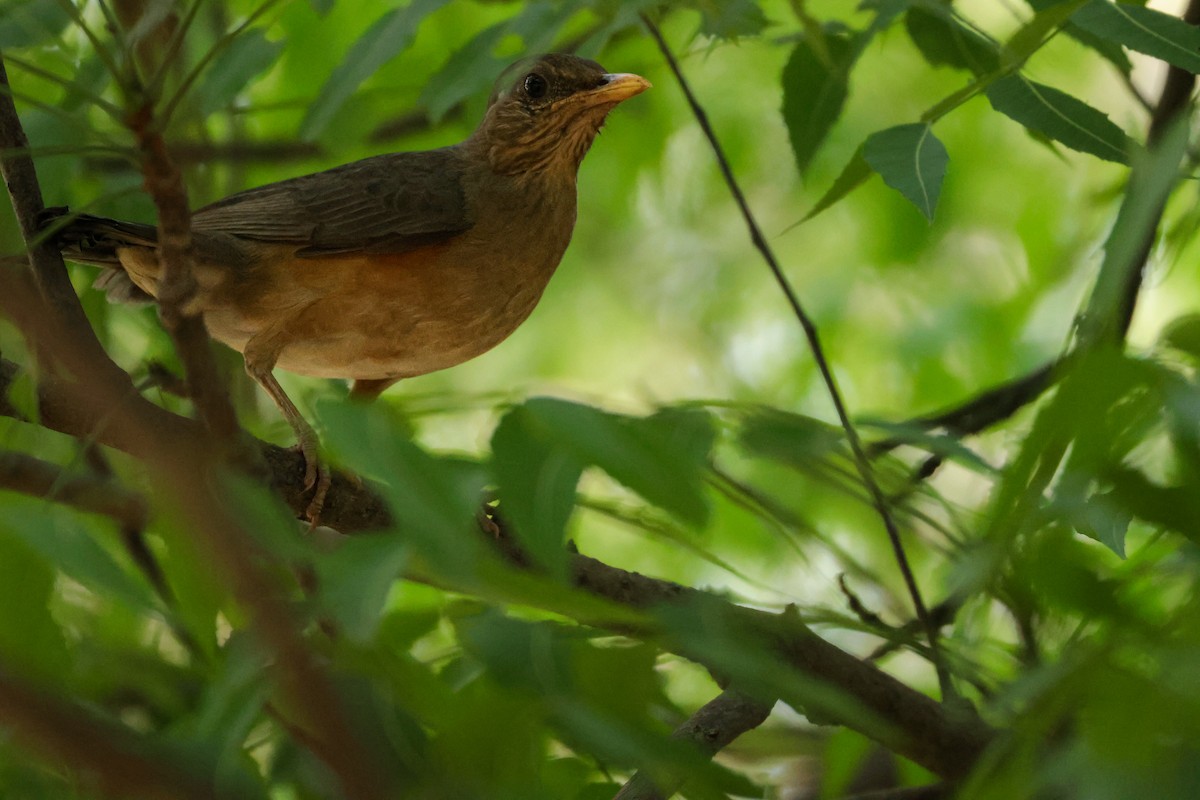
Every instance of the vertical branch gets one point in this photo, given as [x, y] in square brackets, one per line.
[861, 461]
[177, 284]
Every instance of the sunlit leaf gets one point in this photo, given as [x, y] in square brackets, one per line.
[1060, 116]
[911, 160]
[1144, 30]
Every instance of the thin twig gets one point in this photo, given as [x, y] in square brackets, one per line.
[862, 462]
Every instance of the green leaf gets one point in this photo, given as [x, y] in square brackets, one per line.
[1060, 116]
[433, 499]
[814, 91]
[657, 456]
[68, 542]
[944, 41]
[1144, 30]
[729, 19]
[248, 56]
[469, 70]
[1153, 177]
[1183, 334]
[537, 481]
[911, 160]
[1050, 17]
[1110, 51]
[31, 642]
[790, 438]
[388, 37]
[1174, 508]
[854, 174]
[355, 580]
[25, 23]
[1106, 519]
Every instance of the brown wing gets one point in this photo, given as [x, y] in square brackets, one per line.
[384, 204]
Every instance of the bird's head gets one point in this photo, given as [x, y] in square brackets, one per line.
[546, 111]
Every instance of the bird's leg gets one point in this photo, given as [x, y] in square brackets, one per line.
[259, 363]
[366, 390]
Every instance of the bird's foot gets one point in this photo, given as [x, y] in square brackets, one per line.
[320, 486]
[317, 479]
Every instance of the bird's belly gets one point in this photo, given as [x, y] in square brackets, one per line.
[372, 319]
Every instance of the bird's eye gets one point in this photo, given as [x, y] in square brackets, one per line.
[535, 86]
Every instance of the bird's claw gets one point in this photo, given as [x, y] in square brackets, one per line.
[317, 479]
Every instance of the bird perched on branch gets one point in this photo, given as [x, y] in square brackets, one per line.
[390, 267]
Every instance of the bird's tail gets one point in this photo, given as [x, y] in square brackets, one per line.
[88, 239]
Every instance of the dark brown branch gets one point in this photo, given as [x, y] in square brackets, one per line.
[710, 729]
[177, 285]
[20, 178]
[861, 461]
[186, 470]
[350, 507]
[936, 791]
[32, 476]
[945, 741]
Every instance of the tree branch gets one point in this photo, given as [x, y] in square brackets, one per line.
[96, 752]
[32, 476]
[714, 726]
[943, 740]
[185, 468]
[176, 284]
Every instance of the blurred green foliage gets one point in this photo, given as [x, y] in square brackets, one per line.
[660, 408]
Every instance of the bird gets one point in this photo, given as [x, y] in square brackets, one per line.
[390, 267]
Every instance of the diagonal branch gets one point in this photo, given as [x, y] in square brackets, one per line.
[95, 752]
[38, 478]
[713, 727]
[861, 461]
